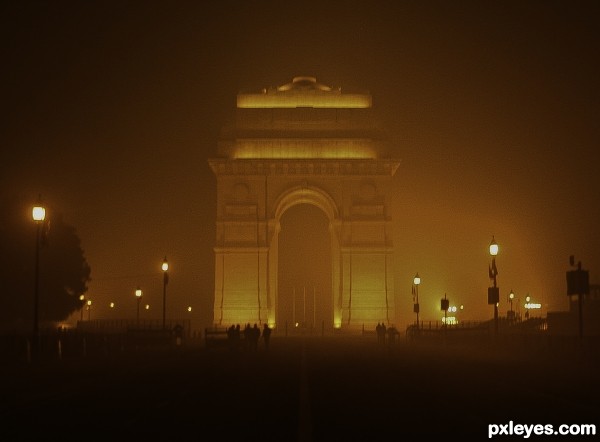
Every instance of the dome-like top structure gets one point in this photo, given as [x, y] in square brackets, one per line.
[304, 83]
[303, 92]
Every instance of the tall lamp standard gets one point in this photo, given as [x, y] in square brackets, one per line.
[82, 299]
[511, 315]
[416, 282]
[493, 291]
[138, 295]
[39, 215]
[89, 308]
[165, 268]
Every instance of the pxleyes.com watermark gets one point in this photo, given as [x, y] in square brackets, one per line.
[528, 430]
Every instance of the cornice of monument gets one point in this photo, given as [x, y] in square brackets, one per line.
[322, 167]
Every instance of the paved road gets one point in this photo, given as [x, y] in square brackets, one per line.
[312, 389]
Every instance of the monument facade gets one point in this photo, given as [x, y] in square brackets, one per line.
[303, 143]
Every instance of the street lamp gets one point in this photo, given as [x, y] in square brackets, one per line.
[165, 268]
[511, 296]
[138, 295]
[39, 215]
[527, 300]
[82, 299]
[89, 308]
[494, 292]
[416, 282]
[444, 306]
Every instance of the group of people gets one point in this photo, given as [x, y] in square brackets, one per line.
[249, 337]
[386, 334]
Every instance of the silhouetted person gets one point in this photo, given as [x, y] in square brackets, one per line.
[248, 337]
[178, 332]
[381, 330]
[255, 336]
[392, 333]
[231, 336]
[237, 336]
[266, 335]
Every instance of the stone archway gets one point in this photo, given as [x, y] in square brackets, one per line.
[303, 143]
[304, 302]
[298, 195]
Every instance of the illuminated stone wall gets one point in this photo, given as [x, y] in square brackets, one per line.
[327, 153]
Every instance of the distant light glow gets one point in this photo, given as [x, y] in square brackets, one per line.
[533, 305]
[147, 306]
[165, 265]
[417, 279]
[189, 309]
[138, 293]
[112, 305]
[450, 320]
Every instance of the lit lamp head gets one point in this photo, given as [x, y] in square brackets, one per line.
[511, 295]
[417, 279]
[165, 265]
[138, 293]
[527, 299]
[38, 213]
[493, 247]
[81, 298]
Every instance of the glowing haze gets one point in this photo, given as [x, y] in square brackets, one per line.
[114, 109]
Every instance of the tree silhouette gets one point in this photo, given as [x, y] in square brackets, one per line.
[63, 271]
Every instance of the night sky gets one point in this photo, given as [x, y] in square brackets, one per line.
[112, 109]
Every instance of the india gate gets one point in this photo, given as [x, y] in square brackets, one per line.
[303, 144]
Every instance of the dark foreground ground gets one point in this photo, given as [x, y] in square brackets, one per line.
[304, 389]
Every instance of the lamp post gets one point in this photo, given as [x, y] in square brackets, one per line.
[511, 315]
[82, 299]
[89, 308]
[444, 306]
[138, 295]
[39, 215]
[493, 291]
[527, 301]
[416, 282]
[165, 268]
[578, 283]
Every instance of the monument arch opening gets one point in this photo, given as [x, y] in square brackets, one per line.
[305, 298]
